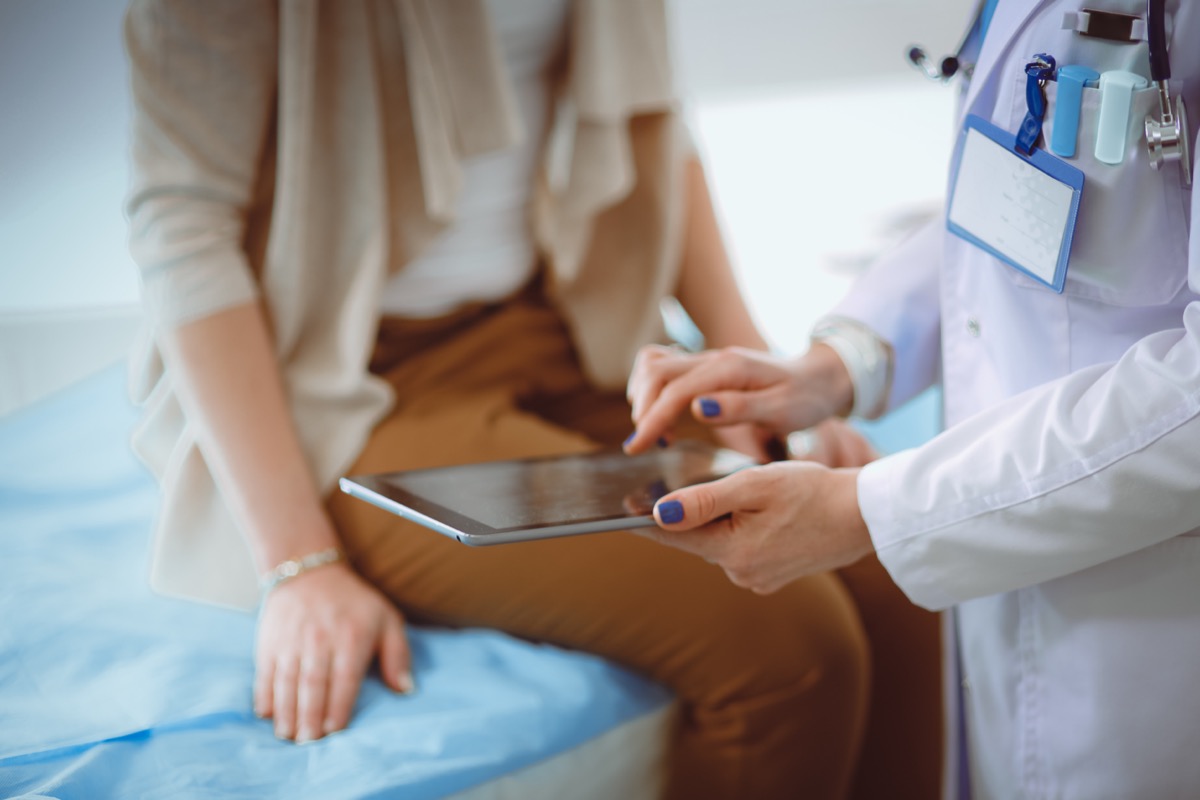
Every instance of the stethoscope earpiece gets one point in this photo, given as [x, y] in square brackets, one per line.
[943, 72]
[950, 65]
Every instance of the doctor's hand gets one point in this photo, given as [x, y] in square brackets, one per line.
[768, 526]
[732, 386]
[317, 636]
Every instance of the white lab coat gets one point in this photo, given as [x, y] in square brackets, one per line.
[1059, 514]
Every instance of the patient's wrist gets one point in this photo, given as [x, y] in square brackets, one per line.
[291, 568]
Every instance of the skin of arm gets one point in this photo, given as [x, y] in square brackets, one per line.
[318, 631]
[707, 287]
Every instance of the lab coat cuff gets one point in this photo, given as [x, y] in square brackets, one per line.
[868, 360]
[905, 557]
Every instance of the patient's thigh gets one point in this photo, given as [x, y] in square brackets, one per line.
[658, 610]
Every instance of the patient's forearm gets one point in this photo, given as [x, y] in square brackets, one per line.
[232, 392]
[707, 287]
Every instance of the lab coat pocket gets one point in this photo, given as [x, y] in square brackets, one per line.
[1130, 243]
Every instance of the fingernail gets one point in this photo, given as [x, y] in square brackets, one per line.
[282, 733]
[405, 682]
[328, 727]
[662, 442]
[709, 407]
[670, 511]
[304, 737]
[628, 439]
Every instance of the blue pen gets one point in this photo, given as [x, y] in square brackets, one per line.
[1071, 80]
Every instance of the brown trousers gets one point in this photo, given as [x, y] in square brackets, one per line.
[774, 690]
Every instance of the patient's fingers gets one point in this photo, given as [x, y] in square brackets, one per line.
[264, 678]
[344, 682]
[312, 691]
[287, 674]
[394, 661]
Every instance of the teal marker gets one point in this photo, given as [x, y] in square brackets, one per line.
[1116, 102]
[1071, 80]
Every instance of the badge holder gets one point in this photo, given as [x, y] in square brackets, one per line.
[1012, 199]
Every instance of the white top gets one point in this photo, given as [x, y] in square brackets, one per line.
[489, 251]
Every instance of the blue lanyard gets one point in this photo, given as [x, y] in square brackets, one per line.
[1037, 72]
[985, 18]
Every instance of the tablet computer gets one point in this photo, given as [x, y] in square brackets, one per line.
[538, 498]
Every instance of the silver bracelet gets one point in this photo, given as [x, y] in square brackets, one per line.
[289, 569]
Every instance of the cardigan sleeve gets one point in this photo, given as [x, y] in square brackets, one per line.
[203, 80]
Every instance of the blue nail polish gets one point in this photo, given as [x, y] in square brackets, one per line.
[662, 442]
[709, 407]
[628, 439]
[670, 511]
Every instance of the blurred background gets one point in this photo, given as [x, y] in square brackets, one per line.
[823, 147]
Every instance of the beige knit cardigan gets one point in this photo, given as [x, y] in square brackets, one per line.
[300, 151]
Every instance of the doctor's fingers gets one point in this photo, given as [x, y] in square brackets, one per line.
[653, 368]
[736, 540]
[704, 503]
[730, 369]
[709, 542]
[835, 443]
[773, 408]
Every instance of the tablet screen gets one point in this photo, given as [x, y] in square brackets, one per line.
[562, 491]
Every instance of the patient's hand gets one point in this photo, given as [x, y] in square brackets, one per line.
[317, 636]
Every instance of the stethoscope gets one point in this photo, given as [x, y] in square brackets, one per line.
[949, 66]
[1166, 137]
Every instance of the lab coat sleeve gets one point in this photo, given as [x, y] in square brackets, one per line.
[203, 83]
[1065, 476]
[898, 300]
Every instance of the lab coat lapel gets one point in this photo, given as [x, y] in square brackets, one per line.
[1009, 18]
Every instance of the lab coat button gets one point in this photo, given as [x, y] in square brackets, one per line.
[966, 685]
[973, 327]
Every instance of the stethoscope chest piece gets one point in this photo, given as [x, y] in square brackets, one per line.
[1166, 138]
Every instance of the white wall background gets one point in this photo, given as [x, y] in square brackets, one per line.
[817, 135]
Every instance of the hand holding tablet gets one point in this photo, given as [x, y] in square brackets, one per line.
[539, 498]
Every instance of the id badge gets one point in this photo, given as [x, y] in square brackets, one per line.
[1021, 209]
